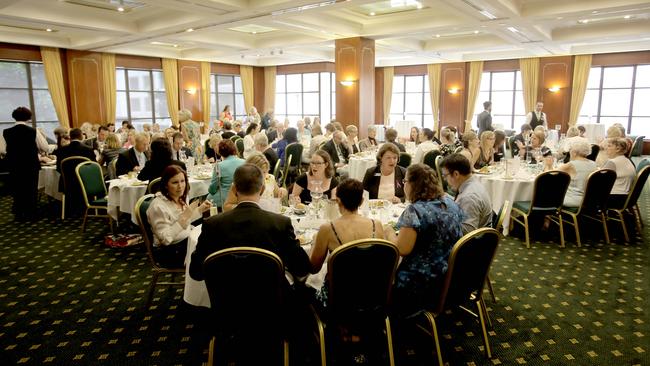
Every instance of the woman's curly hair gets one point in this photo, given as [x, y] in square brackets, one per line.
[424, 184]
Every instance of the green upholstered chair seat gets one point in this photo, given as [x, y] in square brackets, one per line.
[570, 209]
[99, 202]
[522, 205]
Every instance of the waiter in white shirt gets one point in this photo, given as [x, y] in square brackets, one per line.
[537, 117]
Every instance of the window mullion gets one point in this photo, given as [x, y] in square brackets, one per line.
[600, 94]
[514, 99]
[153, 98]
[31, 93]
[128, 94]
[631, 110]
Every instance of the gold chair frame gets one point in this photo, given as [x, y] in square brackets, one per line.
[90, 206]
[83, 159]
[628, 208]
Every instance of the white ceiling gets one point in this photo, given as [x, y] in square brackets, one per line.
[276, 32]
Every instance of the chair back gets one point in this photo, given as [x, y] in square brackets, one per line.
[442, 183]
[112, 169]
[360, 277]
[234, 138]
[285, 172]
[239, 143]
[501, 216]
[637, 146]
[469, 264]
[245, 286]
[595, 149]
[550, 188]
[458, 150]
[154, 186]
[642, 164]
[141, 207]
[511, 145]
[637, 187]
[69, 175]
[597, 189]
[91, 180]
[430, 158]
[404, 160]
[294, 149]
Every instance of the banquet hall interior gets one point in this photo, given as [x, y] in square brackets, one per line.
[81, 296]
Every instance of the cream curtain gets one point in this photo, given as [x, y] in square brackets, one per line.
[205, 93]
[473, 87]
[110, 92]
[246, 73]
[581, 67]
[530, 79]
[170, 75]
[54, 75]
[389, 72]
[269, 89]
[435, 73]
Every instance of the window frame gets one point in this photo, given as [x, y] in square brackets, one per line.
[404, 93]
[514, 90]
[30, 92]
[214, 96]
[632, 88]
[332, 97]
[152, 92]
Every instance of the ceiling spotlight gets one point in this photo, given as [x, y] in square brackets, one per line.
[48, 30]
[190, 30]
[372, 13]
[253, 32]
[583, 21]
[120, 9]
[475, 32]
[280, 52]
[419, 6]
[627, 17]
[272, 53]
[594, 12]
[175, 46]
[559, 18]
[437, 36]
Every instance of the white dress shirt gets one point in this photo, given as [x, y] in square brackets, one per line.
[163, 215]
[41, 142]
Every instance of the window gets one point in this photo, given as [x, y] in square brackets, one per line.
[141, 97]
[24, 84]
[504, 90]
[227, 90]
[411, 100]
[618, 95]
[305, 95]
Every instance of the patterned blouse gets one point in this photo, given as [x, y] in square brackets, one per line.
[438, 226]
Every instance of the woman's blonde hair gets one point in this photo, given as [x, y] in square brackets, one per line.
[112, 141]
[485, 136]
[614, 132]
[540, 136]
[259, 160]
[214, 140]
[572, 132]
[467, 137]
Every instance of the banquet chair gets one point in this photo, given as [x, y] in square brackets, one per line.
[246, 287]
[93, 189]
[642, 164]
[234, 138]
[153, 186]
[594, 202]
[141, 208]
[71, 186]
[112, 169]
[295, 151]
[430, 158]
[442, 183]
[359, 295]
[498, 226]
[595, 149]
[285, 172]
[548, 195]
[512, 146]
[404, 160]
[469, 264]
[239, 143]
[630, 206]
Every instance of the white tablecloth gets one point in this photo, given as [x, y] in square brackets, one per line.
[357, 166]
[48, 181]
[196, 293]
[595, 132]
[500, 189]
[124, 193]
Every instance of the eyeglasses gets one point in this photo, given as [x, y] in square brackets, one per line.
[444, 176]
[317, 163]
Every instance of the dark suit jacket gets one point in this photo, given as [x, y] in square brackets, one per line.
[92, 143]
[228, 134]
[22, 152]
[399, 146]
[373, 177]
[233, 228]
[126, 161]
[331, 149]
[484, 122]
[154, 169]
[76, 148]
[272, 157]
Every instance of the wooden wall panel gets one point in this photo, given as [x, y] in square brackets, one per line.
[379, 96]
[19, 52]
[366, 87]
[258, 88]
[452, 106]
[138, 62]
[501, 65]
[306, 68]
[85, 82]
[189, 77]
[555, 71]
[228, 69]
[411, 70]
[621, 59]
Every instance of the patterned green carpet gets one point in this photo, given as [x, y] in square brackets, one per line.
[66, 299]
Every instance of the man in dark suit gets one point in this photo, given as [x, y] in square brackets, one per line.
[484, 119]
[227, 131]
[23, 164]
[134, 158]
[179, 152]
[337, 149]
[391, 136]
[97, 143]
[233, 228]
[73, 197]
[75, 148]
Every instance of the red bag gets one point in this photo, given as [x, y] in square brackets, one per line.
[122, 240]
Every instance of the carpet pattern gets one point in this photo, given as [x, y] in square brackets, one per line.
[66, 299]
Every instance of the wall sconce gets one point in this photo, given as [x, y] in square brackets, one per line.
[554, 89]
[190, 91]
[347, 82]
[453, 90]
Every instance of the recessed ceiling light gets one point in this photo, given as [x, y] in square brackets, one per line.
[120, 9]
[475, 32]
[559, 18]
[437, 36]
[627, 17]
[372, 13]
[175, 46]
[583, 21]
[48, 30]
[253, 32]
[190, 30]
[594, 12]
[419, 6]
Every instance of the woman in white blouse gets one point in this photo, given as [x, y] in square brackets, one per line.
[249, 139]
[170, 217]
[625, 171]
